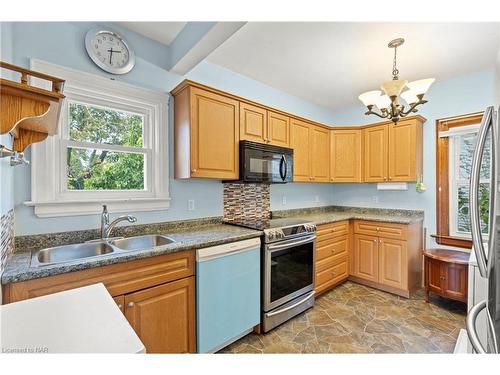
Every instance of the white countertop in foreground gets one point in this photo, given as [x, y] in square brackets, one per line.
[82, 320]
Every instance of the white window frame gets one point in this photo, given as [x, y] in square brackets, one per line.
[454, 176]
[50, 196]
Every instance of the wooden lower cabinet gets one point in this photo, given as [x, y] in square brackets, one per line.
[164, 316]
[157, 296]
[365, 257]
[332, 255]
[389, 258]
[446, 274]
[392, 265]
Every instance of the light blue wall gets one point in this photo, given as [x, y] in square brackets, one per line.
[62, 43]
[6, 173]
[466, 94]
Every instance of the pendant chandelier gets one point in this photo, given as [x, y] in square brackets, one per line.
[389, 103]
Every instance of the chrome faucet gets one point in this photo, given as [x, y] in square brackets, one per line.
[107, 227]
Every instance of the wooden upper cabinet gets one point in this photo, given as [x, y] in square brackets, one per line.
[376, 139]
[320, 153]
[300, 142]
[345, 155]
[393, 269]
[164, 316]
[253, 123]
[405, 150]
[206, 134]
[393, 152]
[365, 257]
[278, 126]
[260, 125]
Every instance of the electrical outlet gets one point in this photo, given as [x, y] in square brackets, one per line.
[190, 204]
[375, 199]
[283, 200]
[316, 198]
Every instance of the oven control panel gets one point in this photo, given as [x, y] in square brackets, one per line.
[283, 233]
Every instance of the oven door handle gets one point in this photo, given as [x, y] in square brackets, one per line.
[309, 296]
[287, 245]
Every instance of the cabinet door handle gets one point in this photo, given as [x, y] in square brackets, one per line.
[130, 304]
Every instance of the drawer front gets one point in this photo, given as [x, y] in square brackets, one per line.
[331, 276]
[118, 279]
[333, 247]
[379, 229]
[325, 232]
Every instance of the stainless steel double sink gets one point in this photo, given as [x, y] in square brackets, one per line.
[94, 249]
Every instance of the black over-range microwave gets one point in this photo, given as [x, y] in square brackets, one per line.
[266, 163]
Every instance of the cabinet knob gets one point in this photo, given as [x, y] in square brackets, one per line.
[333, 251]
[120, 306]
[333, 230]
[385, 178]
[193, 170]
[390, 178]
[375, 241]
[333, 273]
[130, 304]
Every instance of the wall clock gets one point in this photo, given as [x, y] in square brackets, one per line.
[109, 51]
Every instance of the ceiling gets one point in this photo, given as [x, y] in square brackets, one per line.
[331, 63]
[163, 32]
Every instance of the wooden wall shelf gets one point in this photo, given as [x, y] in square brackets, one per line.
[28, 112]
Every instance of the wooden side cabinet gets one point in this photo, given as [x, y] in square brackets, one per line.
[446, 273]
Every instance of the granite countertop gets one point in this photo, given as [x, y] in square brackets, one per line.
[190, 238]
[330, 214]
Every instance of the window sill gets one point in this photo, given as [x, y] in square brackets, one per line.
[94, 207]
[453, 241]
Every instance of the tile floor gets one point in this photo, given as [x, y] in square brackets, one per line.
[356, 319]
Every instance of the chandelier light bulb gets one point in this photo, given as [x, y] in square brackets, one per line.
[421, 86]
[383, 102]
[370, 97]
[409, 97]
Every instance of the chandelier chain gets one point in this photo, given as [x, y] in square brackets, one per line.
[395, 71]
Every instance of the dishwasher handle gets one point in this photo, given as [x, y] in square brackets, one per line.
[232, 248]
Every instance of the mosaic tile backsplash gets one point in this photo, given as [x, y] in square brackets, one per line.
[6, 237]
[247, 204]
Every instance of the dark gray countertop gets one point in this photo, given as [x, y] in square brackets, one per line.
[188, 235]
[18, 266]
[330, 214]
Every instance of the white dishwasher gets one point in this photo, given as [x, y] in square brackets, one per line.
[227, 293]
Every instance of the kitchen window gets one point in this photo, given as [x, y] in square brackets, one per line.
[112, 147]
[455, 148]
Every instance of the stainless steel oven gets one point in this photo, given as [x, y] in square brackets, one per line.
[288, 276]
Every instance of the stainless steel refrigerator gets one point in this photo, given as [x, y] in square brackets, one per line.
[487, 249]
